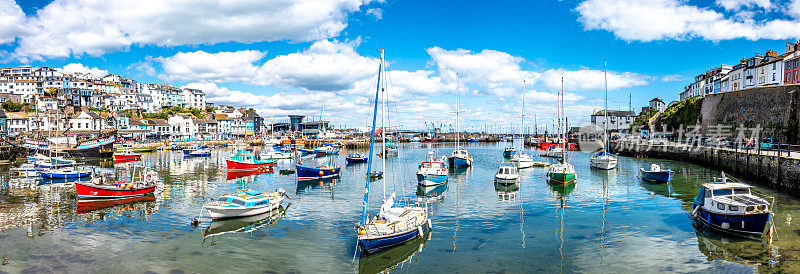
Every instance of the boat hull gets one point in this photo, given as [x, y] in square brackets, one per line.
[378, 243]
[311, 173]
[47, 175]
[431, 179]
[89, 191]
[85, 206]
[736, 224]
[459, 162]
[658, 176]
[118, 157]
[562, 178]
[603, 163]
[223, 212]
[356, 160]
[236, 165]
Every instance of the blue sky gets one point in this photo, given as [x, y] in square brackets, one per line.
[283, 57]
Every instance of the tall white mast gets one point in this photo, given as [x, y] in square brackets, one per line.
[522, 149]
[383, 125]
[458, 110]
[563, 123]
[605, 106]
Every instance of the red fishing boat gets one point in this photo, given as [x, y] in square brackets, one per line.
[127, 155]
[245, 159]
[103, 188]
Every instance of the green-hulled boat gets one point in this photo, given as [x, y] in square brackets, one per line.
[562, 173]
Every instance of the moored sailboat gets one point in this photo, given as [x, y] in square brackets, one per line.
[562, 173]
[460, 157]
[603, 159]
[392, 225]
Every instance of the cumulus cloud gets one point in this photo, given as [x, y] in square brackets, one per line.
[650, 20]
[76, 27]
[11, 21]
[325, 65]
[77, 67]
[497, 72]
[212, 67]
[591, 80]
[794, 8]
[736, 5]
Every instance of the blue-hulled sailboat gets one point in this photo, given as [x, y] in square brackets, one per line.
[393, 225]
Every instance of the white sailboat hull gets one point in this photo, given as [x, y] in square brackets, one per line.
[603, 162]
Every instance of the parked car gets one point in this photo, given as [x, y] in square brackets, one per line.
[769, 143]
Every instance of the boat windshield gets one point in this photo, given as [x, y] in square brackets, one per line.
[741, 191]
[723, 192]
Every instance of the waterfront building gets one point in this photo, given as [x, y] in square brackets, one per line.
[750, 65]
[89, 121]
[617, 119]
[223, 125]
[183, 126]
[724, 83]
[657, 104]
[8, 97]
[736, 80]
[792, 70]
[768, 72]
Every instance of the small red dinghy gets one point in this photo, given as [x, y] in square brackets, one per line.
[127, 155]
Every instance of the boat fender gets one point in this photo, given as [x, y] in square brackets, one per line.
[194, 222]
[726, 225]
[694, 212]
[429, 224]
[321, 173]
[419, 229]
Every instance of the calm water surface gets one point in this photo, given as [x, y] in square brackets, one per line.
[610, 221]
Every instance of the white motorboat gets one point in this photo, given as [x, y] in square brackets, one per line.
[507, 173]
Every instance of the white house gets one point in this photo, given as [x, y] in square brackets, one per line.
[736, 79]
[46, 103]
[89, 121]
[617, 119]
[657, 104]
[183, 126]
[194, 98]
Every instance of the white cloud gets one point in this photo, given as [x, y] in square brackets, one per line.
[76, 27]
[326, 66]
[794, 8]
[378, 13]
[77, 67]
[649, 20]
[497, 72]
[736, 5]
[212, 67]
[11, 21]
[591, 80]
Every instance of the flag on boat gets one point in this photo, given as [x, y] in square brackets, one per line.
[378, 132]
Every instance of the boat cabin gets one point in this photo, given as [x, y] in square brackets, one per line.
[247, 198]
[507, 169]
[431, 165]
[731, 199]
[461, 153]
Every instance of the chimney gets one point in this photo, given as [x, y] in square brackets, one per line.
[790, 47]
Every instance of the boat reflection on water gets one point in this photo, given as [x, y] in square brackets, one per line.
[562, 192]
[233, 175]
[659, 189]
[219, 227]
[86, 206]
[718, 247]
[432, 194]
[394, 258]
[506, 193]
[61, 181]
[306, 186]
[142, 208]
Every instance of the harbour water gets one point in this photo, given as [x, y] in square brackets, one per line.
[609, 221]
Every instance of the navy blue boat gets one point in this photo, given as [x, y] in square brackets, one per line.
[312, 173]
[731, 208]
[656, 174]
[356, 158]
[509, 152]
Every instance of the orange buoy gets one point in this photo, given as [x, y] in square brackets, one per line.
[321, 173]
